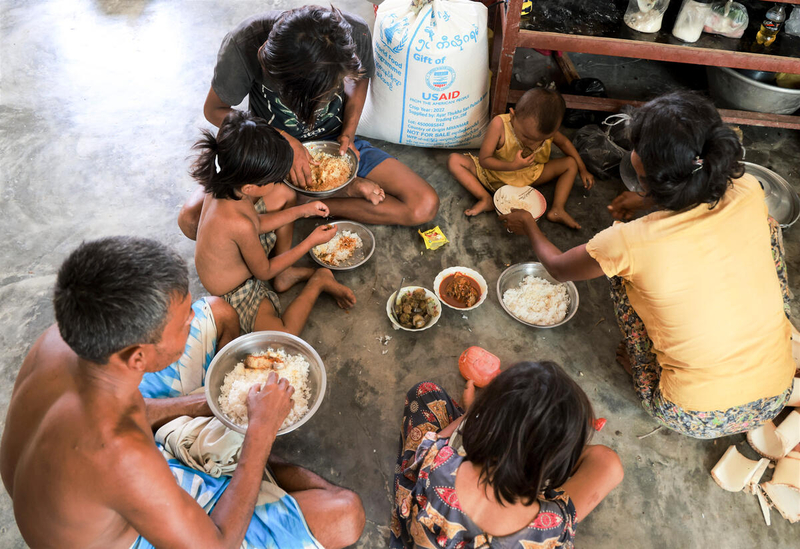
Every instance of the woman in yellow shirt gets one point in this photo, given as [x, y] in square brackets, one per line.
[699, 286]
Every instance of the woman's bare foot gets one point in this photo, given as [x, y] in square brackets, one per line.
[290, 277]
[561, 216]
[366, 189]
[623, 358]
[343, 295]
[482, 205]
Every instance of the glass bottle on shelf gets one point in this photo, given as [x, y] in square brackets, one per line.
[645, 15]
[772, 25]
[691, 20]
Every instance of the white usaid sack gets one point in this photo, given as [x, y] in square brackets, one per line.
[431, 83]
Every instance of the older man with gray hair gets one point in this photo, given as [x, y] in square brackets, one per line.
[78, 455]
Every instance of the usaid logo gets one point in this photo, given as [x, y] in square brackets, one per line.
[440, 78]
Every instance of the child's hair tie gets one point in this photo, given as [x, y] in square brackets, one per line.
[697, 162]
[216, 163]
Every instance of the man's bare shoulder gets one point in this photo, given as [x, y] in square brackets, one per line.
[129, 448]
[49, 351]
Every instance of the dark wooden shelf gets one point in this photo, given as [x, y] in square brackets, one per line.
[616, 39]
[747, 118]
[674, 52]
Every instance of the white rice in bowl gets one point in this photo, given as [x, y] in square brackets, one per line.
[339, 248]
[237, 383]
[538, 301]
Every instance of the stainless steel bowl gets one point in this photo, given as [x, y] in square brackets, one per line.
[512, 277]
[628, 174]
[330, 147]
[760, 76]
[256, 342]
[361, 255]
[782, 200]
[733, 90]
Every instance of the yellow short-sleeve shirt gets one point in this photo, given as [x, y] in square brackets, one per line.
[704, 283]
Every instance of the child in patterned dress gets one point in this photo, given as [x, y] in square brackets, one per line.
[247, 211]
[516, 151]
[513, 471]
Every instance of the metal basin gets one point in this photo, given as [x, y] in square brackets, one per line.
[733, 90]
[512, 277]
[628, 174]
[782, 200]
[256, 342]
[330, 147]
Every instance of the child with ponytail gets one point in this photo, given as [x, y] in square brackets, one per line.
[247, 213]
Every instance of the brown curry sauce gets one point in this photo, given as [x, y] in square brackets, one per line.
[460, 291]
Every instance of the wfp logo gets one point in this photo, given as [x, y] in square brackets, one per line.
[440, 78]
[394, 32]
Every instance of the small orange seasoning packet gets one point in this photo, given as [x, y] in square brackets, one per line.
[434, 238]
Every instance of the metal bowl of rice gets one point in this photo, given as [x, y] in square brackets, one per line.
[330, 148]
[513, 279]
[334, 257]
[256, 343]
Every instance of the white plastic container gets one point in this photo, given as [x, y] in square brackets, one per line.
[645, 15]
[792, 25]
[691, 20]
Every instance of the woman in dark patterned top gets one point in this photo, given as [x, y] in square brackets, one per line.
[513, 471]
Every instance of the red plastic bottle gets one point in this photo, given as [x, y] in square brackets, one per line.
[479, 365]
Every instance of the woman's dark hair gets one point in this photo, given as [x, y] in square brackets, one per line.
[527, 429]
[116, 292]
[309, 52]
[689, 155]
[246, 150]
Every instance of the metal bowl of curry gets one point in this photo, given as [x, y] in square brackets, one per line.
[461, 288]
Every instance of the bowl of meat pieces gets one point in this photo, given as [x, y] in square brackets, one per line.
[461, 288]
[330, 172]
[415, 310]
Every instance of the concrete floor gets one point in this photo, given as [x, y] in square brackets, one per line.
[101, 101]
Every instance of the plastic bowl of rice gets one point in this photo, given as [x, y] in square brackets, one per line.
[351, 247]
[334, 172]
[530, 295]
[228, 380]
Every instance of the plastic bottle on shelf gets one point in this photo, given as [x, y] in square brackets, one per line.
[771, 25]
[525, 15]
[691, 20]
[645, 15]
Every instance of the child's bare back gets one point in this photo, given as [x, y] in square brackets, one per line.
[244, 234]
[225, 226]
